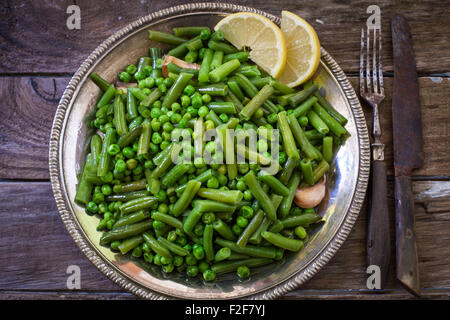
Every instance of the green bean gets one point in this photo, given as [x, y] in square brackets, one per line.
[304, 107]
[303, 220]
[191, 220]
[259, 82]
[163, 154]
[123, 197]
[173, 68]
[283, 100]
[138, 94]
[156, 245]
[173, 247]
[217, 59]
[176, 89]
[313, 135]
[130, 244]
[195, 45]
[221, 46]
[167, 219]
[288, 138]
[317, 122]
[155, 54]
[84, 189]
[96, 146]
[253, 156]
[281, 87]
[283, 242]
[224, 70]
[276, 226]
[181, 49]
[256, 236]
[165, 37]
[203, 177]
[138, 204]
[143, 62]
[252, 251]
[286, 173]
[307, 171]
[186, 198]
[256, 102]
[105, 157]
[237, 256]
[227, 143]
[226, 196]
[251, 91]
[213, 206]
[333, 112]
[124, 232]
[132, 186]
[230, 97]
[250, 229]
[214, 118]
[208, 242]
[327, 148]
[242, 56]
[106, 97]
[320, 170]
[188, 31]
[205, 67]
[222, 254]
[163, 166]
[223, 230]
[260, 195]
[100, 82]
[301, 95]
[249, 71]
[132, 111]
[144, 139]
[152, 97]
[332, 123]
[217, 89]
[286, 204]
[222, 107]
[129, 137]
[236, 91]
[231, 266]
[174, 174]
[302, 140]
[274, 184]
[131, 218]
[232, 123]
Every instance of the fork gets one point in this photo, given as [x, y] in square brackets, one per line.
[372, 92]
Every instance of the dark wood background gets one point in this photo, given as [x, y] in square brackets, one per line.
[38, 55]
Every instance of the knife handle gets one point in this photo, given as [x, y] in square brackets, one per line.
[378, 237]
[407, 262]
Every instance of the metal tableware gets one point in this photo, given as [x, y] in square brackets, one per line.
[68, 149]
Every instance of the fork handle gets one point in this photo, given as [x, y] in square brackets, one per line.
[378, 237]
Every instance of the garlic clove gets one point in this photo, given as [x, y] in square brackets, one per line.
[311, 196]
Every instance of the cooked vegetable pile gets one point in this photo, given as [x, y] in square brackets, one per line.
[160, 199]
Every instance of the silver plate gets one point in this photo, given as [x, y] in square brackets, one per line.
[347, 187]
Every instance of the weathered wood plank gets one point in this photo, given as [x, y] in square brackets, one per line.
[30, 103]
[26, 116]
[34, 36]
[39, 249]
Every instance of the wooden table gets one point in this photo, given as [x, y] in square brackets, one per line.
[39, 54]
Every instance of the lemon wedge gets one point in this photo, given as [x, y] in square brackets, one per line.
[263, 37]
[303, 50]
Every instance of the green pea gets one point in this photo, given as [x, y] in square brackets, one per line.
[198, 229]
[203, 266]
[115, 245]
[241, 221]
[224, 117]
[92, 207]
[137, 252]
[272, 118]
[178, 261]
[212, 183]
[189, 90]
[158, 225]
[113, 149]
[172, 236]
[243, 272]
[300, 232]
[203, 111]
[166, 260]
[157, 259]
[240, 185]
[236, 229]
[190, 260]
[106, 189]
[185, 101]
[102, 207]
[131, 69]
[248, 195]
[192, 271]
[128, 152]
[148, 257]
[208, 218]
[247, 212]
[198, 252]
[98, 197]
[206, 98]
[125, 77]
[209, 275]
[223, 180]
[156, 138]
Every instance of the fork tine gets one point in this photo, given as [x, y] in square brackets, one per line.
[362, 86]
[374, 62]
[380, 66]
[368, 84]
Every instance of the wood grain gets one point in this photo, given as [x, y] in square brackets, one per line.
[39, 249]
[29, 43]
[31, 103]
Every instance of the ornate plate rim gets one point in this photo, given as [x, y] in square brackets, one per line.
[71, 223]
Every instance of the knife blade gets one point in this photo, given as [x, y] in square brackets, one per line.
[408, 151]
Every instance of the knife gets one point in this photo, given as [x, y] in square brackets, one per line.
[408, 151]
